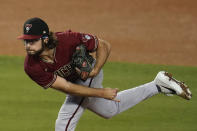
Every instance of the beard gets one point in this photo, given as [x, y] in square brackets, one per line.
[35, 53]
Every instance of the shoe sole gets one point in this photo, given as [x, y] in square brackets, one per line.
[186, 94]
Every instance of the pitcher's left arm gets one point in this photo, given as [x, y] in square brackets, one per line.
[102, 53]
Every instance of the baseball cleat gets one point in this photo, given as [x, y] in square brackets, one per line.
[168, 85]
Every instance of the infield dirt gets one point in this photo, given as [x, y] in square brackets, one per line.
[154, 31]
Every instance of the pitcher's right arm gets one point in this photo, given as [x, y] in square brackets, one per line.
[74, 89]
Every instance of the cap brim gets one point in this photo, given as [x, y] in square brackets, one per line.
[29, 37]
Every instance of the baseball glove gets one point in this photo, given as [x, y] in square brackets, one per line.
[82, 62]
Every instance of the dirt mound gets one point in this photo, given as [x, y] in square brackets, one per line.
[154, 31]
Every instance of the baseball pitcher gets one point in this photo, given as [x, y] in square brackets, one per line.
[62, 61]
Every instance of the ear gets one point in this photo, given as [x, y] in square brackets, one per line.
[46, 40]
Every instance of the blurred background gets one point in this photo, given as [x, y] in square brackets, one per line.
[154, 31]
[146, 36]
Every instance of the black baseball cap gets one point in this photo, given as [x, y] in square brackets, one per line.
[34, 28]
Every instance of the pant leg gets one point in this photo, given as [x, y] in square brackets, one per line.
[71, 111]
[69, 114]
[128, 99]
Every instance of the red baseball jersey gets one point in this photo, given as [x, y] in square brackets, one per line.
[44, 73]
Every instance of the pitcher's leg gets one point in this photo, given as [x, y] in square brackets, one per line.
[128, 98]
[69, 114]
[131, 97]
[71, 110]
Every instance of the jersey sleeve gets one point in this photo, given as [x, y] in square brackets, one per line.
[42, 78]
[76, 38]
[90, 41]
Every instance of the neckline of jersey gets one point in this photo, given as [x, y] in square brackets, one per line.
[54, 60]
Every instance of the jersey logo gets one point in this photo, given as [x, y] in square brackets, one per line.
[64, 71]
[85, 38]
[28, 27]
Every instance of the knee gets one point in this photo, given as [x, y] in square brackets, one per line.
[107, 114]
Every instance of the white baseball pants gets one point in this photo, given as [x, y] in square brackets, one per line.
[74, 106]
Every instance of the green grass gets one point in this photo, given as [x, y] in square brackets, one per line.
[27, 107]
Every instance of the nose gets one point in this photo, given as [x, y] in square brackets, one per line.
[27, 45]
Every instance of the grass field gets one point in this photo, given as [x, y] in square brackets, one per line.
[27, 107]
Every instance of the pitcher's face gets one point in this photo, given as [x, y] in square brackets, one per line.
[33, 47]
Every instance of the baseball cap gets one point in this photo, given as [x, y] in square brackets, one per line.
[34, 28]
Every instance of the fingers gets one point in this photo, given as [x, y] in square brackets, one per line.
[110, 94]
[91, 73]
[116, 100]
[116, 91]
[94, 72]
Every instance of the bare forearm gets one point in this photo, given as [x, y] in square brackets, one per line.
[80, 90]
[67, 87]
[102, 54]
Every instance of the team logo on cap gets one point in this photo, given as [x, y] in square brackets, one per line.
[28, 27]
